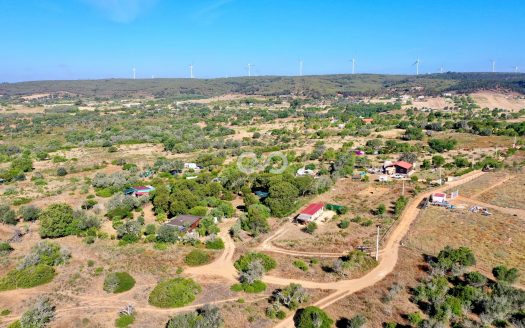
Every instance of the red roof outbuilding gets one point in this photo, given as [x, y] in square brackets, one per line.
[312, 209]
[403, 164]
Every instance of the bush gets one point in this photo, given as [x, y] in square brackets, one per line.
[118, 282]
[216, 243]
[242, 264]
[15, 324]
[39, 315]
[357, 321]
[300, 264]
[172, 293]
[312, 317]
[5, 247]
[29, 213]
[415, 319]
[475, 279]
[61, 171]
[124, 321]
[502, 273]
[47, 253]
[344, 224]
[168, 234]
[205, 317]
[310, 227]
[255, 287]
[7, 215]
[450, 259]
[197, 257]
[291, 296]
[27, 278]
[57, 221]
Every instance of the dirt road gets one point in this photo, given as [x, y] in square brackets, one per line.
[223, 266]
[386, 264]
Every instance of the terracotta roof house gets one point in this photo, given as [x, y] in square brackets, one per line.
[185, 223]
[403, 167]
[311, 213]
[367, 120]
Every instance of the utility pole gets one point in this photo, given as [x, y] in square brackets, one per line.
[377, 243]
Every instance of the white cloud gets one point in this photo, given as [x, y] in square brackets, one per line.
[121, 11]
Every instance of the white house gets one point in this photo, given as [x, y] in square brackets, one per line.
[302, 172]
[191, 166]
[439, 198]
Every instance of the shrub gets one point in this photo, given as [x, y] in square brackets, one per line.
[415, 319]
[29, 213]
[300, 264]
[475, 279]
[47, 253]
[344, 224]
[39, 315]
[118, 282]
[27, 278]
[5, 247]
[172, 293]
[57, 221]
[243, 262]
[197, 257]
[124, 321]
[253, 288]
[7, 215]
[357, 321]
[15, 324]
[312, 317]
[205, 317]
[291, 296]
[310, 227]
[168, 234]
[215, 243]
[454, 260]
[502, 273]
[61, 171]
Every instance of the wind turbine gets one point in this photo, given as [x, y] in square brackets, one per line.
[191, 71]
[250, 69]
[516, 69]
[417, 62]
[493, 65]
[441, 69]
[353, 65]
[301, 67]
[134, 72]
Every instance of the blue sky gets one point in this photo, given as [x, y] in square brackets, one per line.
[91, 39]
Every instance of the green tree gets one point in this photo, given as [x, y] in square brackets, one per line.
[256, 221]
[312, 317]
[282, 198]
[438, 160]
[57, 221]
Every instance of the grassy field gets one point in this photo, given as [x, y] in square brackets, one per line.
[495, 240]
[509, 194]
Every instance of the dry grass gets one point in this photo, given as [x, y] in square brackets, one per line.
[368, 302]
[495, 240]
[509, 194]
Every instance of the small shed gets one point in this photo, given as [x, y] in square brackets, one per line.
[403, 167]
[185, 222]
[439, 198]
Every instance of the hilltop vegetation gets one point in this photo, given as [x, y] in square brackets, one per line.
[310, 86]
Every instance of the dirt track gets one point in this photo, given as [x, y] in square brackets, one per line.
[223, 267]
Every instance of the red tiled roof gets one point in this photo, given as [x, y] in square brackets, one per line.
[439, 194]
[312, 209]
[403, 164]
